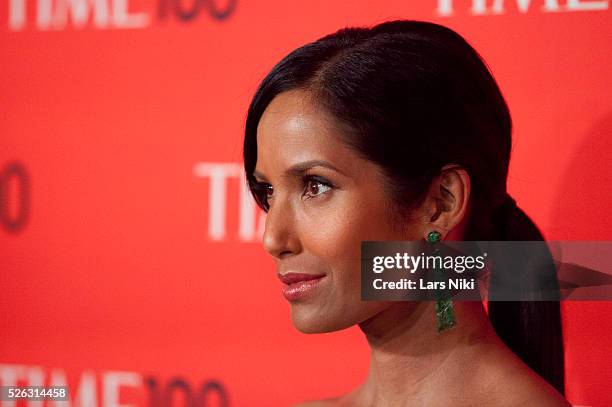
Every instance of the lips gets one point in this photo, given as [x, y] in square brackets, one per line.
[300, 286]
[291, 278]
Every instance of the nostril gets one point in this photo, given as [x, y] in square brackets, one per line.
[284, 254]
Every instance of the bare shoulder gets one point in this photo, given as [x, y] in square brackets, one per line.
[516, 385]
[536, 392]
[350, 399]
[318, 403]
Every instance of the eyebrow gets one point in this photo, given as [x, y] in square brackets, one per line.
[300, 168]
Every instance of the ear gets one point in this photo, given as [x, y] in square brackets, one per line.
[446, 204]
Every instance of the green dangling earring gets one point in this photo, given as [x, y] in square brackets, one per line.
[445, 314]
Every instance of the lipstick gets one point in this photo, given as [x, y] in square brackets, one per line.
[298, 285]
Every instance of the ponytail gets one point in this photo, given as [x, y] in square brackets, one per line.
[531, 329]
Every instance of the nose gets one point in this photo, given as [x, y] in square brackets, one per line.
[279, 237]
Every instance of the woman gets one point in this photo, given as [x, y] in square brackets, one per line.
[391, 133]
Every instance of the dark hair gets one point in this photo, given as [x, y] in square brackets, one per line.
[417, 88]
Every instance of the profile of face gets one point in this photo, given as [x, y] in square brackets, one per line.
[324, 199]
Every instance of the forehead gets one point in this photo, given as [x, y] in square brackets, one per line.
[293, 129]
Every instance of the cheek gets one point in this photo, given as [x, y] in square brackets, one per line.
[333, 233]
[333, 239]
[333, 228]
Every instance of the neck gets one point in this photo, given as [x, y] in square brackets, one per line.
[410, 360]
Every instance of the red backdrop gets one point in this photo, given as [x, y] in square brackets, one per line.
[131, 266]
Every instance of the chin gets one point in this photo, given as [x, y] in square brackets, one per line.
[313, 322]
[309, 322]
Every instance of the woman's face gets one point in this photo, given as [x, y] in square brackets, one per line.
[324, 200]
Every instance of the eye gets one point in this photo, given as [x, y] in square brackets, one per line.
[262, 192]
[315, 186]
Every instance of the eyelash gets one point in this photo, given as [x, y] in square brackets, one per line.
[260, 189]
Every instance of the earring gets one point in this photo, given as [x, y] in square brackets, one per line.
[445, 315]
